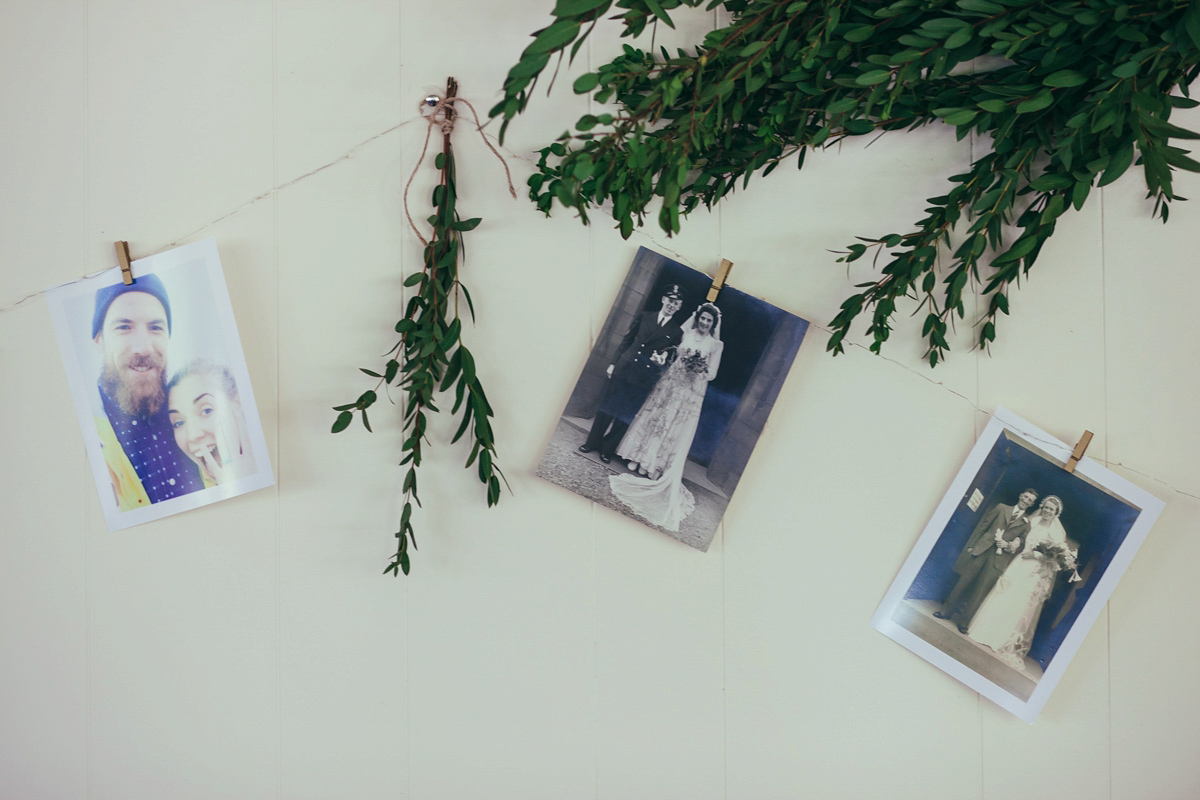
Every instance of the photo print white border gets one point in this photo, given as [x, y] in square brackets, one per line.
[195, 284]
[617, 442]
[890, 615]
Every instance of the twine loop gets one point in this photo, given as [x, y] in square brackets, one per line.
[442, 116]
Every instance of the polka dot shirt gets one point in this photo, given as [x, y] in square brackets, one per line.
[149, 443]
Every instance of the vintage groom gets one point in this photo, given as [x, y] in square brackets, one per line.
[993, 545]
[640, 358]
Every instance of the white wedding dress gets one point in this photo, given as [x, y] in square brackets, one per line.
[661, 434]
[1009, 615]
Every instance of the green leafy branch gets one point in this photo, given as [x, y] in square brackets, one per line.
[1084, 90]
[430, 357]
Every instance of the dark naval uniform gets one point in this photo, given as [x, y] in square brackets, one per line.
[633, 377]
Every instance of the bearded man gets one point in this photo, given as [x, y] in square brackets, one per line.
[131, 327]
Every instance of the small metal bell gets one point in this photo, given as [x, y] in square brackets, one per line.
[432, 100]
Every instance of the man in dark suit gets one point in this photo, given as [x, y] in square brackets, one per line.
[641, 356]
[993, 545]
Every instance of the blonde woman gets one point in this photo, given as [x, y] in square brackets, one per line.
[206, 418]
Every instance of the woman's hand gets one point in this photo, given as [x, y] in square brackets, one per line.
[232, 457]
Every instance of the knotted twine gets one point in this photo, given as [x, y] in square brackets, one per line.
[442, 116]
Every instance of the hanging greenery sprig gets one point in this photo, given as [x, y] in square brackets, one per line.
[1078, 91]
[430, 357]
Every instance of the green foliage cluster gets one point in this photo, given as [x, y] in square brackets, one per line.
[430, 358]
[1080, 91]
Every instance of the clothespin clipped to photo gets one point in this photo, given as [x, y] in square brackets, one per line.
[719, 281]
[123, 259]
[1080, 449]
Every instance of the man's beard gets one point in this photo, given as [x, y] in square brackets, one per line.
[144, 393]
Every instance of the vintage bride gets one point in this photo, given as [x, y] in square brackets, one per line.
[1009, 615]
[657, 443]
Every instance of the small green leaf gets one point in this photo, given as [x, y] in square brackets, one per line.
[860, 34]
[871, 78]
[1079, 194]
[1050, 182]
[585, 83]
[983, 6]
[842, 105]
[342, 422]
[959, 38]
[1066, 78]
[1036, 103]
[554, 37]
[960, 117]
[1117, 166]
[752, 48]
[1126, 70]
[574, 8]
[413, 280]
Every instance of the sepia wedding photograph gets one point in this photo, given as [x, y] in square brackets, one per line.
[1016, 564]
[672, 399]
[160, 385]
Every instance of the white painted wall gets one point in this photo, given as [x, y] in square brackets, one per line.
[546, 648]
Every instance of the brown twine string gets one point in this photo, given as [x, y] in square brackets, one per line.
[443, 116]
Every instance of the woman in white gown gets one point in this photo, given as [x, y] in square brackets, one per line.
[1008, 617]
[658, 440]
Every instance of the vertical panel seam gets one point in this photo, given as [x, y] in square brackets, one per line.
[406, 789]
[595, 654]
[1107, 434]
[279, 477]
[716, 21]
[87, 533]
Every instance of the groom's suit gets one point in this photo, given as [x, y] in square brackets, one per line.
[634, 375]
[979, 565]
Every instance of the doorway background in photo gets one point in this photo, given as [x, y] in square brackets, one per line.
[1095, 520]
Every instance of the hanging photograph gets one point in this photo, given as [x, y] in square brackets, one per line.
[160, 385]
[672, 399]
[1016, 564]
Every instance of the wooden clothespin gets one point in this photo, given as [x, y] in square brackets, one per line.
[123, 259]
[1080, 449]
[719, 281]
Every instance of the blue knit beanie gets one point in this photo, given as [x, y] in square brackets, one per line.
[149, 283]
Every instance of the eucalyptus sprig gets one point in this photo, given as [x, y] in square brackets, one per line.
[1077, 91]
[430, 357]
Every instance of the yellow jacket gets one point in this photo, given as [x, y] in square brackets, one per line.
[127, 486]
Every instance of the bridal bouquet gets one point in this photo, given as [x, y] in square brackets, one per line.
[695, 363]
[1058, 555]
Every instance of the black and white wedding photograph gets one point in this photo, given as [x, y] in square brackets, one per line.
[160, 385]
[1016, 564]
[672, 399]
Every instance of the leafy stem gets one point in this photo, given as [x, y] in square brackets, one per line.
[1084, 90]
[431, 358]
